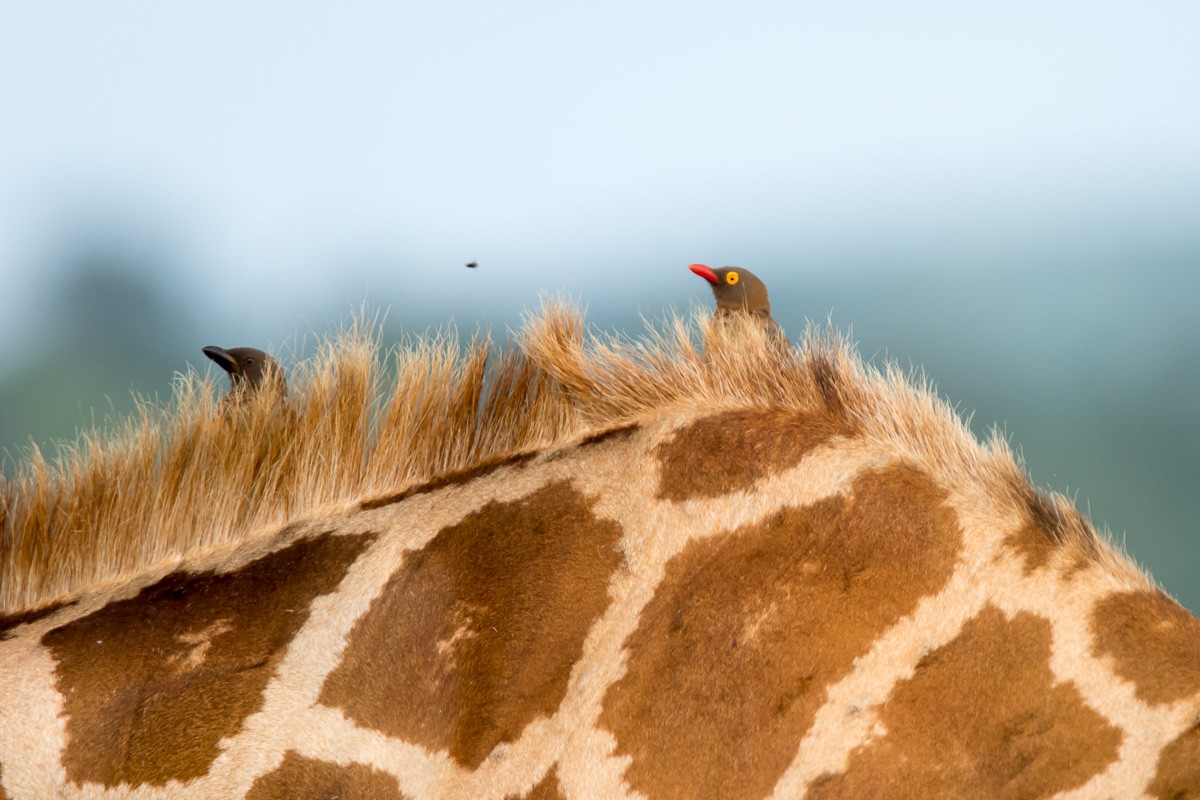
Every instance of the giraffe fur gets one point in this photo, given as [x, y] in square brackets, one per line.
[608, 569]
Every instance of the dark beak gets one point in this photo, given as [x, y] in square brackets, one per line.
[222, 357]
[704, 272]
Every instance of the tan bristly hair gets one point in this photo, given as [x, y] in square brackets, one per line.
[184, 477]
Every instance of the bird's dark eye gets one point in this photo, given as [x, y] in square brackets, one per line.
[249, 361]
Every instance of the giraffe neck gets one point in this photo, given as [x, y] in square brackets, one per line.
[765, 573]
[742, 603]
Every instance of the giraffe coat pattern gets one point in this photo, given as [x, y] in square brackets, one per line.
[714, 599]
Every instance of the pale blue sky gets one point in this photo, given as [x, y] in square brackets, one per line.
[580, 146]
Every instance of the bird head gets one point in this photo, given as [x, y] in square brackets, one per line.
[736, 289]
[248, 368]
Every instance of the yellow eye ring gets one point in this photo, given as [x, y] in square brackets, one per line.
[731, 278]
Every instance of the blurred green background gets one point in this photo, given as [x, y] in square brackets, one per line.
[1005, 196]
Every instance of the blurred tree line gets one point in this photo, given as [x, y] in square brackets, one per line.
[108, 332]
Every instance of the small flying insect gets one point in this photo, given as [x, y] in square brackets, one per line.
[472, 264]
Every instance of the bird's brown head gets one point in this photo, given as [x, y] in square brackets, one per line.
[248, 368]
[736, 289]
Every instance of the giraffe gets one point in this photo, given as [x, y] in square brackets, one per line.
[604, 569]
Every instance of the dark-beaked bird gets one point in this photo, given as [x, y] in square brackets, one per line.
[739, 291]
[249, 369]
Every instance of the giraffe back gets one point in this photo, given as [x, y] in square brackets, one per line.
[836, 593]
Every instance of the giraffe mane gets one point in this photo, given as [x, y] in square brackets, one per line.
[183, 478]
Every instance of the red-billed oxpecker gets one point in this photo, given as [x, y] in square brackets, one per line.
[739, 291]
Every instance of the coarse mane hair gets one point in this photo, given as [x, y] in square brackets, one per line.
[362, 420]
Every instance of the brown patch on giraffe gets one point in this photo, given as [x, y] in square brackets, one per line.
[1048, 529]
[547, 789]
[1178, 773]
[620, 433]
[981, 717]
[830, 384]
[730, 451]
[449, 479]
[732, 656]
[1033, 545]
[617, 434]
[1154, 643]
[10, 621]
[300, 778]
[153, 683]
[3, 794]
[1043, 534]
[1042, 511]
[480, 627]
